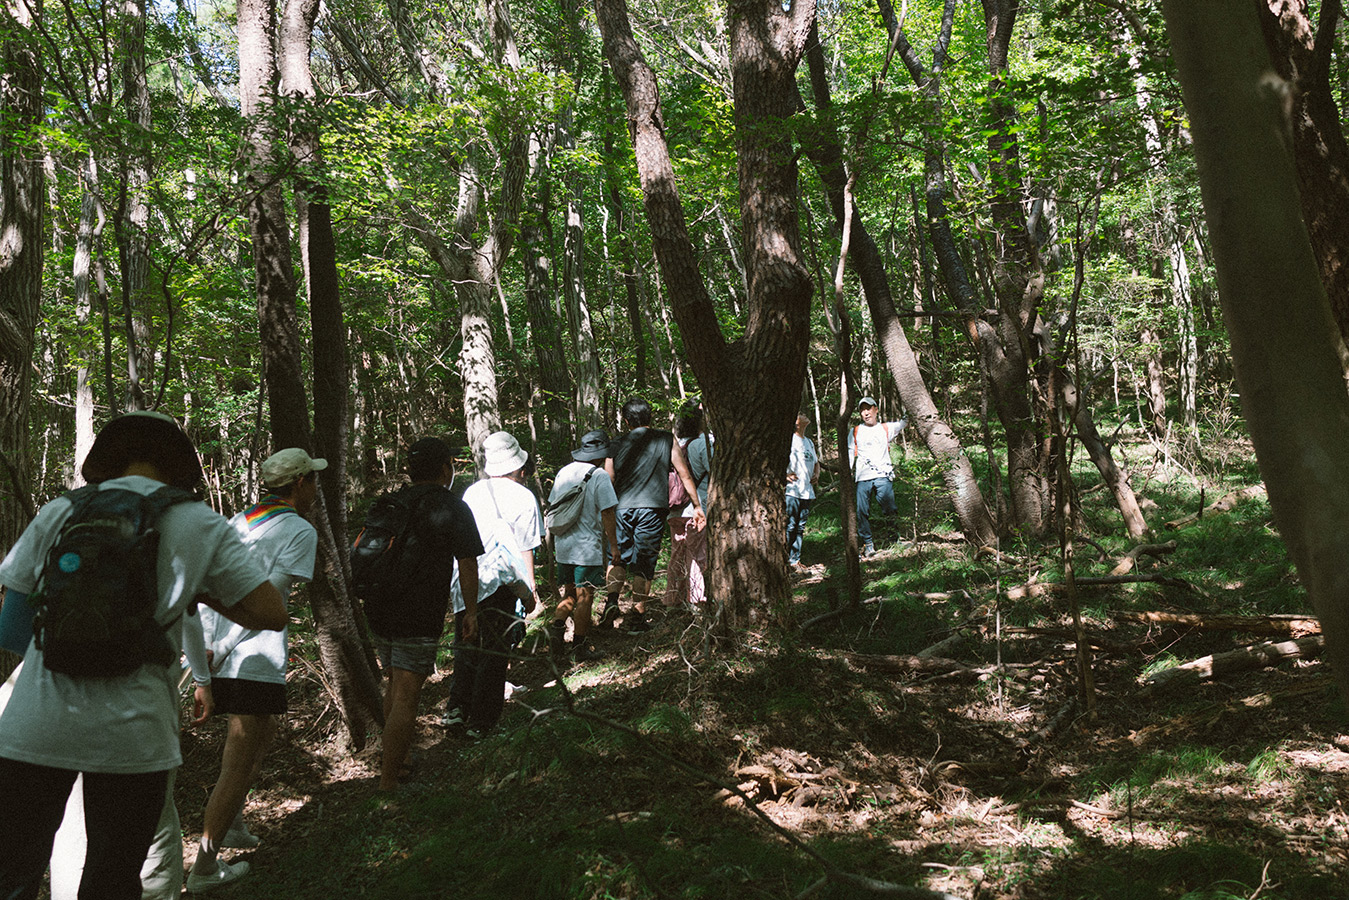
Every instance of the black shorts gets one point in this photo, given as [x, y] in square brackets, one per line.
[242, 697]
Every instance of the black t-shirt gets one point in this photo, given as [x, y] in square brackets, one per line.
[442, 530]
[642, 468]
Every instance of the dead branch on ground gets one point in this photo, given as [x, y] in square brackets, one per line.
[1045, 588]
[1297, 626]
[910, 665]
[1224, 504]
[1129, 560]
[1244, 659]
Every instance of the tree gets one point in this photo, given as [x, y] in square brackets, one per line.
[1273, 301]
[751, 385]
[340, 644]
[22, 195]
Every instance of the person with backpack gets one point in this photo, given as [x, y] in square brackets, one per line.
[579, 543]
[404, 564]
[639, 465]
[510, 526]
[248, 667]
[109, 570]
[872, 471]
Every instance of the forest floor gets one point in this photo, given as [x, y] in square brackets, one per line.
[992, 779]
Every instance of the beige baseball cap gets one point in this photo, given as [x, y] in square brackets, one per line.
[285, 466]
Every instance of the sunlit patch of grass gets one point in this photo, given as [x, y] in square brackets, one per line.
[1160, 663]
[1270, 765]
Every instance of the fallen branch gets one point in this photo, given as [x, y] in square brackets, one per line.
[1245, 659]
[1297, 626]
[1129, 560]
[1068, 634]
[1045, 588]
[909, 665]
[1225, 503]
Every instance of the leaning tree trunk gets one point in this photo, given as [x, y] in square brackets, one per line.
[347, 657]
[1301, 55]
[763, 370]
[941, 441]
[1284, 339]
[22, 194]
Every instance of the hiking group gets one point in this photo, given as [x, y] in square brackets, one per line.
[113, 584]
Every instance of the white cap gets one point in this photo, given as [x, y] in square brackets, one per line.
[291, 464]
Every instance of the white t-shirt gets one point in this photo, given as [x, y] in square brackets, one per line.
[869, 450]
[801, 463]
[514, 504]
[124, 724]
[583, 544]
[285, 546]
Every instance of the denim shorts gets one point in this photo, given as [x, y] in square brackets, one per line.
[411, 654]
[639, 535]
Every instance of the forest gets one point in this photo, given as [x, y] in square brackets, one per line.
[1092, 251]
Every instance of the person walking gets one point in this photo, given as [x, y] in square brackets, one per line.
[639, 464]
[248, 667]
[119, 730]
[579, 547]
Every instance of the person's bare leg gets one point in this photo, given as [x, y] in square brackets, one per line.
[400, 719]
[641, 592]
[581, 613]
[246, 743]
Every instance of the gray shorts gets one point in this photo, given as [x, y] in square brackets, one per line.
[412, 654]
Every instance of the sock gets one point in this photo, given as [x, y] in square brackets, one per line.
[206, 863]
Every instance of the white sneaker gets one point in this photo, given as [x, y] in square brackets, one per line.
[240, 839]
[224, 874]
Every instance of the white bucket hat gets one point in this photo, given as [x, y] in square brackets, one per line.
[502, 454]
[291, 464]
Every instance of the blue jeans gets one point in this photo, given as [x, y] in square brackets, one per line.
[885, 496]
[798, 511]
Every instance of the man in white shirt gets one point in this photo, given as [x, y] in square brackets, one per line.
[872, 471]
[803, 471]
[499, 501]
[248, 667]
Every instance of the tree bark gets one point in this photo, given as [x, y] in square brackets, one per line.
[764, 369]
[22, 198]
[1284, 339]
[1301, 55]
[544, 328]
[133, 211]
[339, 619]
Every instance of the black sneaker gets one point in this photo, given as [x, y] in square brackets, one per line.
[453, 717]
[609, 615]
[635, 623]
[585, 652]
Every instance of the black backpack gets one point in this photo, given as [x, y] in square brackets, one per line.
[96, 599]
[378, 547]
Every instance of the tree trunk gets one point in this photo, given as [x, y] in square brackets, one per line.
[22, 198]
[1284, 341]
[764, 369]
[865, 256]
[88, 233]
[1301, 55]
[133, 212]
[338, 617]
[587, 404]
[544, 328]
